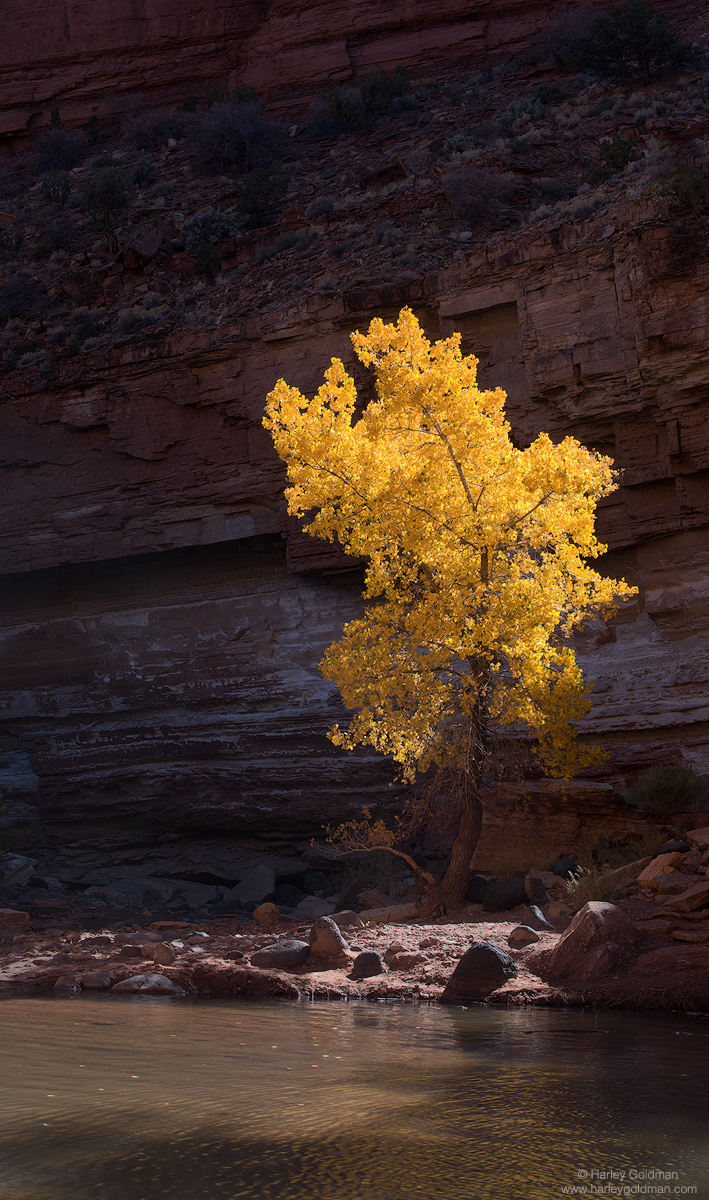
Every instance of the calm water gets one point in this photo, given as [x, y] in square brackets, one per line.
[135, 1099]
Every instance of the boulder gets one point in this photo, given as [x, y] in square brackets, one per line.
[163, 954]
[152, 985]
[348, 919]
[599, 939]
[699, 837]
[258, 884]
[679, 845]
[311, 908]
[482, 970]
[534, 918]
[556, 909]
[504, 895]
[225, 908]
[399, 912]
[96, 981]
[12, 921]
[693, 898]
[16, 870]
[522, 936]
[565, 866]
[658, 866]
[622, 876]
[285, 955]
[477, 887]
[367, 964]
[326, 941]
[267, 915]
[67, 983]
[541, 886]
[670, 885]
[374, 898]
[288, 895]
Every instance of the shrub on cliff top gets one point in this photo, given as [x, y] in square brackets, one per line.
[631, 40]
[238, 138]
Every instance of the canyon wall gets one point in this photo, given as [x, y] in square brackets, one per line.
[126, 56]
[162, 618]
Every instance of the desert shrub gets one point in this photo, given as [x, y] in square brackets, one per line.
[614, 156]
[476, 194]
[105, 195]
[10, 244]
[563, 31]
[55, 189]
[39, 252]
[521, 110]
[585, 885]
[687, 182]
[630, 40]
[164, 188]
[260, 197]
[143, 173]
[210, 225]
[402, 104]
[553, 189]
[379, 90]
[154, 130]
[458, 143]
[238, 138]
[320, 206]
[385, 233]
[294, 239]
[191, 104]
[19, 296]
[58, 150]
[130, 321]
[670, 789]
[548, 93]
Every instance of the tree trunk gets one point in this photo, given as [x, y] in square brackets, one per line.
[455, 884]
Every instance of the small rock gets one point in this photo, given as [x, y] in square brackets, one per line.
[504, 895]
[689, 935]
[67, 983]
[556, 909]
[266, 915]
[367, 964]
[522, 936]
[348, 919]
[534, 918]
[325, 939]
[405, 960]
[396, 948]
[153, 985]
[163, 954]
[132, 950]
[286, 954]
[61, 958]
[482, 970]
[96, 981]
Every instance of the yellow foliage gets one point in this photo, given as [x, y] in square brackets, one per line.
[477, 553]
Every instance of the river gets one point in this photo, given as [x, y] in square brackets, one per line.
[147, 1098]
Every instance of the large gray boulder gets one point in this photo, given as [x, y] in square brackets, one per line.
[600, 938]
[256, 885]
[482, 970]
[504, 895]
[283, 955]
[16, 869]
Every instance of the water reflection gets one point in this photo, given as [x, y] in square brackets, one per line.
[150, 1098]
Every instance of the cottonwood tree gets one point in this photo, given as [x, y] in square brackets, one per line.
[477, 565]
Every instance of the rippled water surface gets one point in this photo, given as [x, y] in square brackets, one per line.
[137, 1099]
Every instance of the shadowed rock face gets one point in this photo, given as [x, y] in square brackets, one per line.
[162, 619]
[126, 57]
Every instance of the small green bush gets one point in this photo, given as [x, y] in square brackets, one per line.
[320, 207]
[614, 156]
[261, 194]
[688, 183]
[210, 225]
[631, 40]
[55, 189]
[670, 789]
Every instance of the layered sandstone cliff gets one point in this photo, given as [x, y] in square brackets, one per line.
[162, 619]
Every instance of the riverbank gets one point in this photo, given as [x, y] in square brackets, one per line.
[669, 969]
